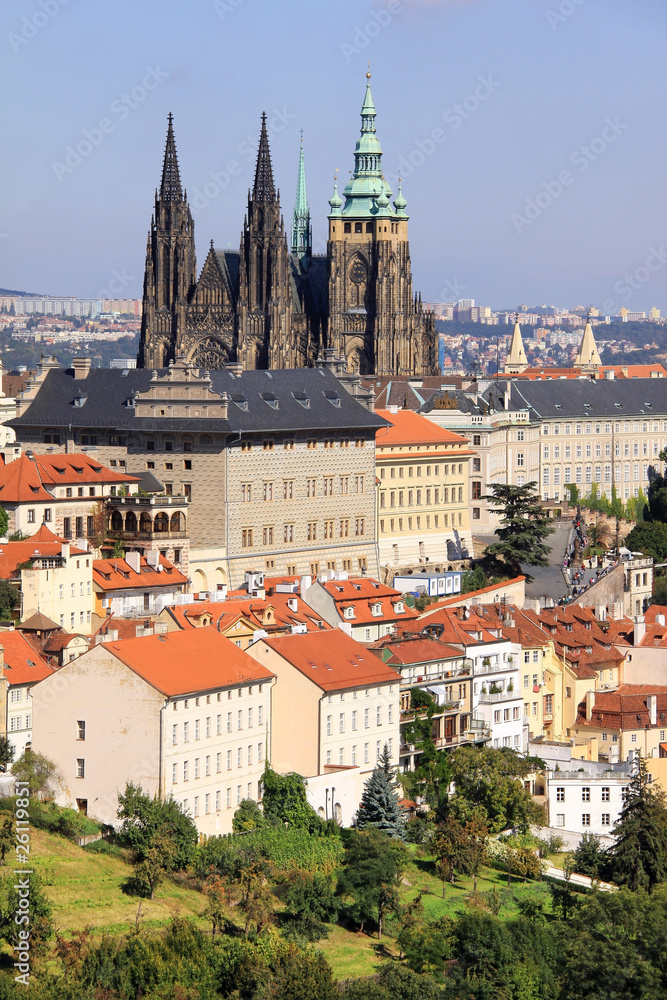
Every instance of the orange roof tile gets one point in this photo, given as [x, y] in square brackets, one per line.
[43, 544]
[449, 601]
[332, 660]
[23, 665]
[410, 428]
[180, 663]
[117, 574]
[413, 650]
[32, 478]
[625, 708]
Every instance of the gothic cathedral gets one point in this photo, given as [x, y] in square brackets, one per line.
[277, 305]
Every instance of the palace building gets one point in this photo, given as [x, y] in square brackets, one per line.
[274, 304]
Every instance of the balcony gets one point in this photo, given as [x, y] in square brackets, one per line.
[146, 536]
[486, 698]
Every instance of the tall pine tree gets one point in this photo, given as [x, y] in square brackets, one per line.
[523, 528]
[379, 803]
[639, 856]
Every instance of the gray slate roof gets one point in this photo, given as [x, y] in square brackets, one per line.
[616, 398]
[298, 399]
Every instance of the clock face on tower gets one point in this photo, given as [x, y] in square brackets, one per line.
[358, 272]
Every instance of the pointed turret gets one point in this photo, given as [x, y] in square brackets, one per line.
[301, 229]
[170, 188]
[264, 189]
[367, 184]
[516, 359]
[587, 356]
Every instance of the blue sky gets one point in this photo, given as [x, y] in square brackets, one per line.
[530, 133]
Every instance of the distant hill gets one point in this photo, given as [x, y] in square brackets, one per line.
[24, 295]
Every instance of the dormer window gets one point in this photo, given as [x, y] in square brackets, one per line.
[376, 609]
[400, 607]
[349, 612]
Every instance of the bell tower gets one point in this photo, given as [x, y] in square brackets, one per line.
[170, 274]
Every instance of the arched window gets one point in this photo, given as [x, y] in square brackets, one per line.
[175, 523]
[116, 520]
[145, 523]
[161, 522]
[130, 521]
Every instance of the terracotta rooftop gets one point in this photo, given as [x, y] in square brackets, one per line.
[626, 708]
[410, 428]
[415, 649]
[32, 478]
[23, 665]
[180, 663]
[117, 574]
[332, 660]
[43, 544]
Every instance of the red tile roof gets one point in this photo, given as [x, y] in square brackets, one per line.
[43, 544]
[410, 428]
[23, 665]
[362, 593]
[32, 478]
[117, 574]
[180, 663]
[472, 594]
[626, 708]
[413, 650]
[332, 660]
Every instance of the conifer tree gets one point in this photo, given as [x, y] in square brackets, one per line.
[639, 856]
[523, 528]
[379, 803]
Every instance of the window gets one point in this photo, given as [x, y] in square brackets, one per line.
[81, 730]
[605, 819]
[174, 773]
[186, 730]
[246, 492]
[378, 716]
[560, 794]
[341, 722]
[585, 819]
[605, 794]
[246, 538]
[80, 767]
[329, 725]
[585, 795]
[229, 760]
[476, 490]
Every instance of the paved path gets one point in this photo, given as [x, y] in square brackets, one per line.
[548, 580]
[581, 880]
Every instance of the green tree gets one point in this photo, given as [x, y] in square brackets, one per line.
[379, 800]
[649, 537]
[448, 845]
[248, 816]
[41, 774]
[7, 837]
[6, 752]
[284, 800]
[638, 858]
[215, 892]
[431, 776]
[8, 600]
[492, 779]
[146, 818]
[573, 494]
[523, 528]
[257, 903]
[590, 857]
[370, 877]
[157, 861]
[13, 889]
[4, 522]
[312, 902]
[474, 579]
[299, 975]
[476, 837]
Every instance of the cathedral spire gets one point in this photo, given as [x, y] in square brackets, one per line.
[170, 188]
[587, 355]
[516, 359]
[301, 231]
[264, 188]
[367, 192]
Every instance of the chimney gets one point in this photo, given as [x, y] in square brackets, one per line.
[660, 620]
[610, 375]
[64, 550]
[652, 705]
[235, 367]
[306, 584]
[601, 612]
[81, 367]
[640, 630]
[133, 560]
[152, 558]
[292, 603]
[590, 704]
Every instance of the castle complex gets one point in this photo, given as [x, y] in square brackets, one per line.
[274, 304]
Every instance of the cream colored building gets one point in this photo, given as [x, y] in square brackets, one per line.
[335, 703]
[22, 670]
[423, 493]
[185, 714]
